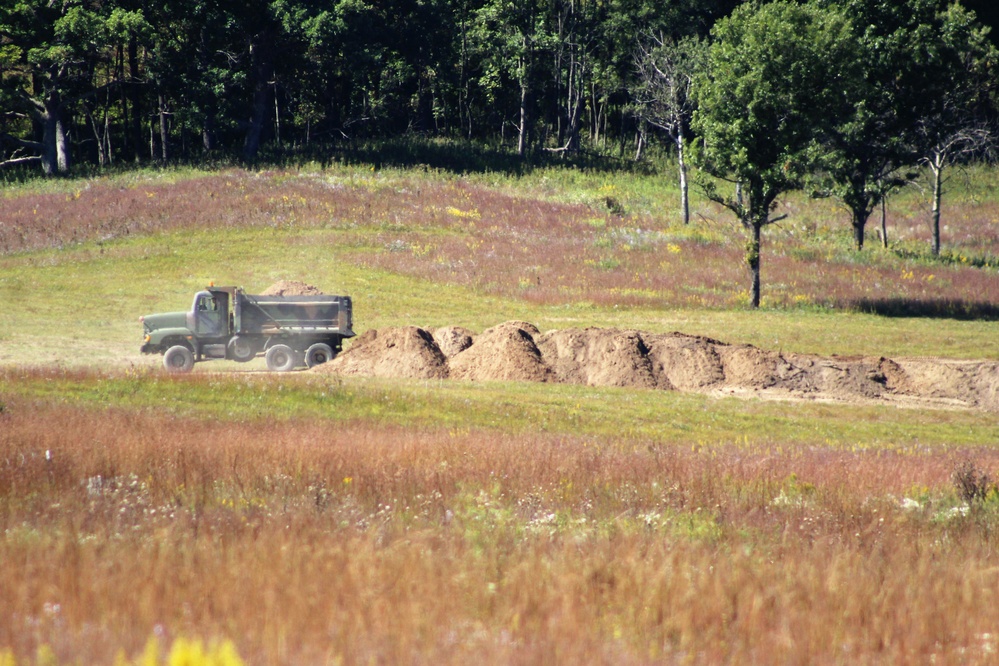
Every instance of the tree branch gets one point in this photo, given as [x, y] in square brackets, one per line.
[16, 161]
[21, 143]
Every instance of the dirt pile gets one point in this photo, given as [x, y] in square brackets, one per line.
[685, 362]
[291, 288]
[518, 351]
[946, 381]
[502, 353]
[600, 357]
[452, 340]
[408, 352]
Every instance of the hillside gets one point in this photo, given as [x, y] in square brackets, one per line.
[560, 435]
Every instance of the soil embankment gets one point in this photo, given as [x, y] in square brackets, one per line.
[518, 351]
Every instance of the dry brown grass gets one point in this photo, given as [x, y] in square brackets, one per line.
[311, 542]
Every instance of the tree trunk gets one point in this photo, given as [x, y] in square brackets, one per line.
[100, 139]
[164, 131]
[53, 148]
[639, 142]
[62, 143]
[573, 143]
[937, 166]
[208, 132]
[753, 259]
[884, 223]
[684, 189]
[50, 161]
[135, 98]
[277, 118]
[263, 69]
[126, 127]
[522, 137]
[859, 222]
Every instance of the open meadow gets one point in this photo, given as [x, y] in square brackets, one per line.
[237, 516]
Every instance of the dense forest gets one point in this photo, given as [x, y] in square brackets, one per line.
[107, 82]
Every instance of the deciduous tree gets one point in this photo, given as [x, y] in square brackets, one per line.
[49, 55]
[769, 91]
[907, 75]
[954, 125]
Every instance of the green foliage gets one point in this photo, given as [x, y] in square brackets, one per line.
[770, 87]
[181, 77]
[915, 80]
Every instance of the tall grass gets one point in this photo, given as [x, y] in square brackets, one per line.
[309, 542]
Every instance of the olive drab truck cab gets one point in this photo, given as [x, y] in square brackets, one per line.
[227, 323]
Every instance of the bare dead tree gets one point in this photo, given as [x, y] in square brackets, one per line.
[666, 71]
[949, 149]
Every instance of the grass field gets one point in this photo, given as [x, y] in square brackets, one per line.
[240, 516]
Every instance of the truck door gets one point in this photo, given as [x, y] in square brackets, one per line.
[209, 316]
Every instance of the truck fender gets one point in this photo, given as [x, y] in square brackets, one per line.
[166, 337]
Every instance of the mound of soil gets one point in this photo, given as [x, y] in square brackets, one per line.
[685, 362]
[948, 381]
[599, 357]
[891, 374]
[858, 377]
[987, 386]
[518, 351]
[291, 288]
[751, 367]
[502, 353]
[408, 352]
[452, 340]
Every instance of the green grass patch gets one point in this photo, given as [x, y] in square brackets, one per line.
[79, 305]
[688, 420]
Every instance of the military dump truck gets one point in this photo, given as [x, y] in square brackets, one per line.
[226, 323]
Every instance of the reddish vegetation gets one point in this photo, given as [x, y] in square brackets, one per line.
[518, 351]
[308, 543]
[455, 232]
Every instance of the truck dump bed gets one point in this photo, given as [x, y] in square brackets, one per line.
[257, 314]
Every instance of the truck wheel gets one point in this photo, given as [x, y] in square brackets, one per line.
[242, 350]
[318, 354]
[178, 359]
[281, 358]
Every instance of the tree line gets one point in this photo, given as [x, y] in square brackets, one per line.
[107, 81]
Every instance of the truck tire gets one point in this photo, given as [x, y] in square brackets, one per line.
[178, 359]
[242, 349]
[281, 358]
[318, 354]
